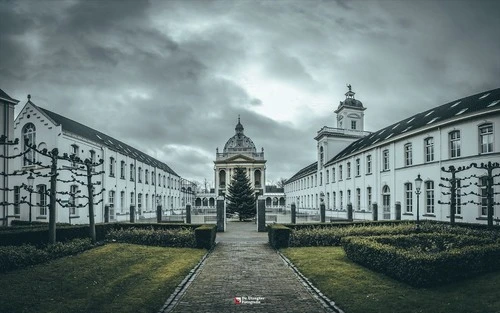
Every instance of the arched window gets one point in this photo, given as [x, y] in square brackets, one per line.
[29, 137]
[321, 155]
[146, 176]
[386, 202]
[222, 179]
[257, 177]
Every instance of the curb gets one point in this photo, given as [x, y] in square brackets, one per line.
[180, 290]
[328, 304]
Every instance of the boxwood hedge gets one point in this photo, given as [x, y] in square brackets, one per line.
[424, 260]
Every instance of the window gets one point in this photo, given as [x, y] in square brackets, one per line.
[147, 202]
[122, 201]
[333, 174]
[140, 174]
[341, 200]
[320, 179]
[458, 198]
[122, 169]
[17, 198]
[486, 138]
[385, 160]
[368, 164]
[348, 169]
[132, 198]
[73, 199]
[353, 124]
[152, 178]
[334, 200]
[29, 139]
[159, 179]
[112, 167]
[454, 144]
[132, 172]
[348, 200]
[483, 195]
[42, 199]
[408, 198]
[146, 177]
[358, 198]
[139, 200]
[429, 149]
[408, 155]
[327, 176]
[358, 167]
[340, 172]
[429, 197]
[164, 181]
[92, 156]
[111, 199]
[74, 153]
[369, 197]
[321, 156]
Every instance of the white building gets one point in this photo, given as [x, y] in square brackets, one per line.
[362, 168]
[130, 178]
[7, 132]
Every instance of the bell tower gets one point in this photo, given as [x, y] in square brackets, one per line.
[350, 113]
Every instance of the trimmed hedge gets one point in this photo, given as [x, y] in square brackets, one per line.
[279, 236]
[180, 238]
[205, 236]
[38, 235]
[423, 260]
[331, 236]
[15, 257]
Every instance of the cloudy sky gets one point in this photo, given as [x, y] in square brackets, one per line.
[171, 77]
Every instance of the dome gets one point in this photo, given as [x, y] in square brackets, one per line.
[352, 103]
[239, 142]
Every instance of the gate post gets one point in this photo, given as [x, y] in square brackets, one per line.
[132, 213]
[398, 211]
[375, 211]
[322, 212]
[106, 213]
[293, 214]
[349, 211]
[188, 213]
[221, 214]
[158, 213]
[261, 214]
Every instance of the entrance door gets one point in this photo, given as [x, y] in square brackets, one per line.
[386, 202]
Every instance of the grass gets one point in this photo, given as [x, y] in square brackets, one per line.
[111, 278]
[356, 289]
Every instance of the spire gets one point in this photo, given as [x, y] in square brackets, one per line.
[350, 94]
[239, 127]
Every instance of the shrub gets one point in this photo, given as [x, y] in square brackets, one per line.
[14, 257]
[425, 259]
[205, 236]
[279, 236]
[181, 237]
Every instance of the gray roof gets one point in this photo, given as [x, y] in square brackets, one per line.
[477, 102]
[4, 96]
[311, 168]
[105, 140]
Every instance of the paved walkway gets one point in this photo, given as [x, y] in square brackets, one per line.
[243, 265]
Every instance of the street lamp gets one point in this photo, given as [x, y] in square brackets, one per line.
[418, 185]
[31, 180]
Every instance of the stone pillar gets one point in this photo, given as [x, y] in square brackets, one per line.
[322, 212]
[375, 211]
[132, 213]
[293, 214]
[106, 214]
[158, 213]
[221, 214]
[261, 214]
[398, 211]
[349, 211]
[188, 213]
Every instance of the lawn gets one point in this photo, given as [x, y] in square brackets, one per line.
[356, 289]
[111, 278]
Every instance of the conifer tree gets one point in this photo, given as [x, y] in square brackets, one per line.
[241, 195]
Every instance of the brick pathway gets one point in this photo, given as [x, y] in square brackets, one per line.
[242, 265]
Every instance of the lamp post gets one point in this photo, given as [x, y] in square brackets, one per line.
[31, 180]
[418, 185]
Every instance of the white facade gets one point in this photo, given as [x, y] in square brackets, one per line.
[6, 131]
[130, 177]
[383, 171]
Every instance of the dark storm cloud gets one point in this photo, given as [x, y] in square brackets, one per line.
[171, 77]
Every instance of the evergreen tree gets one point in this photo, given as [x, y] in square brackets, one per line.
[241, 195]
